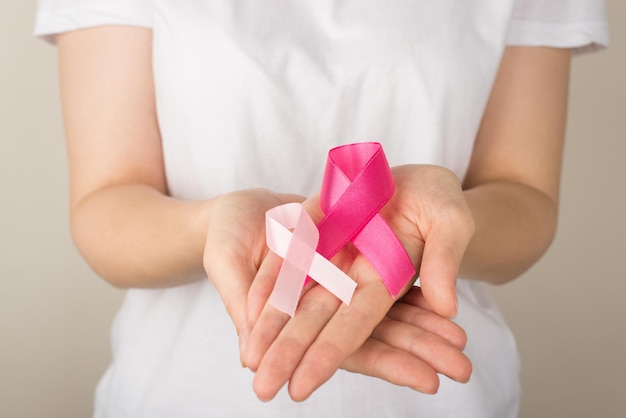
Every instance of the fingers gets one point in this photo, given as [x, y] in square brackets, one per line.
[411, 346]
[429, 322]
[377, 359]
[440, 354]
[263, 334]
[308, 348]
[269, 319]
[415, 297]
[312, 207]
[284, 352]
[343, 334]
[413, 309]
[262, 286]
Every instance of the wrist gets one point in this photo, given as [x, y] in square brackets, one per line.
[515, 225]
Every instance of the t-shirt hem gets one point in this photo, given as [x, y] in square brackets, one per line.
[49, 24]
[582, 37]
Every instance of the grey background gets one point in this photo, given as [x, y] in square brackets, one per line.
[567, 312]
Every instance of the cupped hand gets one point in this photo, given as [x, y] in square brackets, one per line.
[429, 215]
[235, 247]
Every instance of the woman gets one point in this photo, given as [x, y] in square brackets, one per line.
[176, 114]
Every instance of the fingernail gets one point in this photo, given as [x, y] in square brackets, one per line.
[242, 347]
[456, 307]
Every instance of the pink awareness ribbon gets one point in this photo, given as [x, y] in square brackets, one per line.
[297, 248]
[357, 184]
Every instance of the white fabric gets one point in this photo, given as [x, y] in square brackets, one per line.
[252, 93]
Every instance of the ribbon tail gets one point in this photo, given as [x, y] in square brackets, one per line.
[332, 278]
[385, 253]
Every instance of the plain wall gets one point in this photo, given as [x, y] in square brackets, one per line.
[55, 314]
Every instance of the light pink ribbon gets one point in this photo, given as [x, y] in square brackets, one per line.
[357, 184]
[297, 248]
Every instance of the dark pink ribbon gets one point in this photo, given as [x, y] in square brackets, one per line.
[357, 184]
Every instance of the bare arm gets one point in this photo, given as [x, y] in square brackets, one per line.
[122, 220]
[512, 186]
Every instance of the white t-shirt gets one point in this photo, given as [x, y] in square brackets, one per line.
[253, 93]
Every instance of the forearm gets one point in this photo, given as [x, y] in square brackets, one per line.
[515, 225]
[512, 182]
[134, 236]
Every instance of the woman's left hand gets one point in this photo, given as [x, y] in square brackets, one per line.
[430, 217]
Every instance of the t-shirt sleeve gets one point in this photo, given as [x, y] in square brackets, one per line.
[578, 24]
[58, 16]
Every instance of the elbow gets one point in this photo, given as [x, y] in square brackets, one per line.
[91, 239]
[86, 242]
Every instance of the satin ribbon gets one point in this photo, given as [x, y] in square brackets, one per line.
[297, 248]
[357, 184]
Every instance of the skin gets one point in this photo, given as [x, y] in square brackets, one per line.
[492, 227]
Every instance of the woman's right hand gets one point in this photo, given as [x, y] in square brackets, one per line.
[235, 247]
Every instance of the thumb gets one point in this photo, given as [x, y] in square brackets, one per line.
[438, 272]
[444, 247]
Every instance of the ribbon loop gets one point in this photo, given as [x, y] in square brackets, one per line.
[357, 184]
